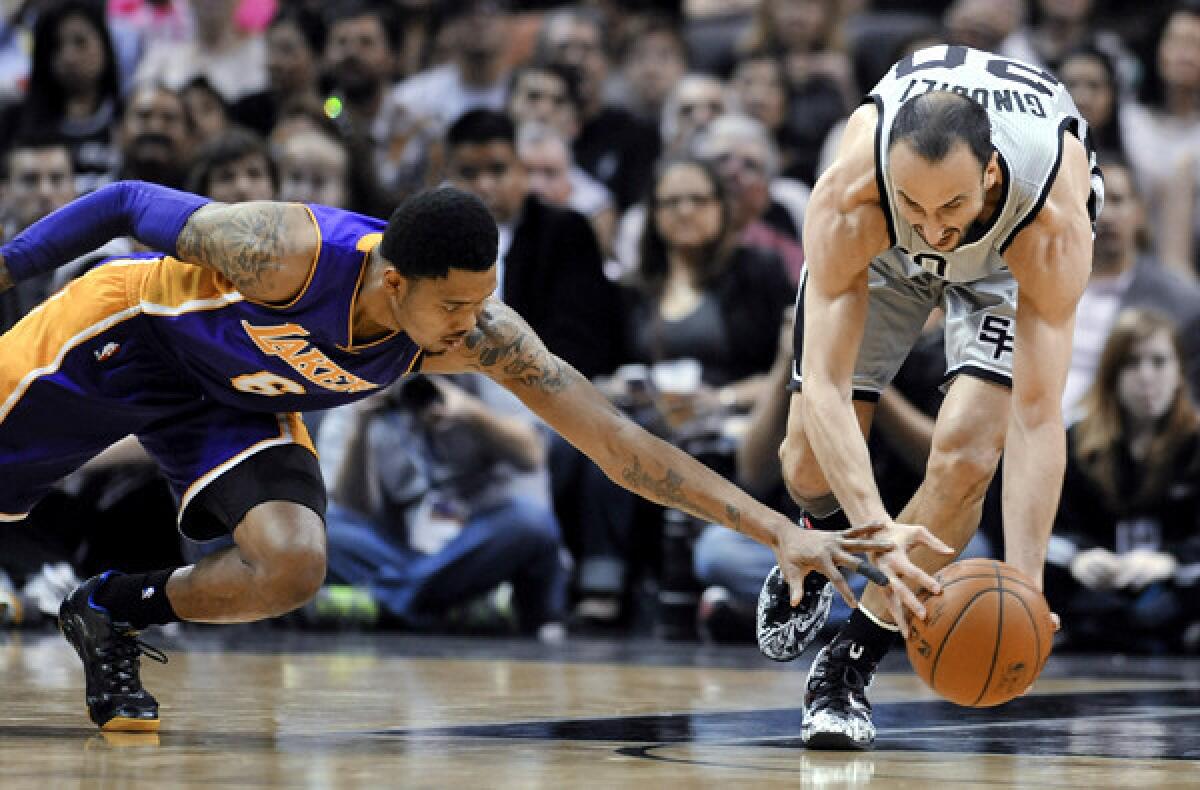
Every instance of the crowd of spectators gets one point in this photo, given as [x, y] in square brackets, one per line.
[648, 165]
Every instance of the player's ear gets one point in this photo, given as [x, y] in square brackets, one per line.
[991, 172]
[396, 283]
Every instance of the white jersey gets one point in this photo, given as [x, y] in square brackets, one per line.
[1029, 111]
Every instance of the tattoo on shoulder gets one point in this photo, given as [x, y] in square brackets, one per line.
[502, 341]
[244, 243]
[667, 491]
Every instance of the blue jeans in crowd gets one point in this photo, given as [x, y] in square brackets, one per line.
[517, 541]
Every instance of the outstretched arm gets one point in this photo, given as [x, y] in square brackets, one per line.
[258, 246]
[504, 348]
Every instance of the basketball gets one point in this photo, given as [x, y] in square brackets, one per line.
[986, 637]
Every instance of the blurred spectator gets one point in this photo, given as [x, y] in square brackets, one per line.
[760, 89]
[767, 210]
[697, 292]
[546, 93]
[319, 164]
[612, 145]
[360, 59]
[807, 34]
[73, 91]
[983, 24]
[1061, 26]
[477, 75]
[1165, 122]
[695, 102]
[38, 178]
[1091, 78]
[155, 138]
[234, 166]
[653, 59]
[554, 177]
[1124, 274]
[295, 43]
[550, 268]
[233, 60]
[1124, 559]
[432, 505]
[207, 110]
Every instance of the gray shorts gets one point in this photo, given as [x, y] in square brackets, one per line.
[980, 326]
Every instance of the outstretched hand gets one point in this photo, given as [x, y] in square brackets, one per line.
[803, 550]
[905, 579]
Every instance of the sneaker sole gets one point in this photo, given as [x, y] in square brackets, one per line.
[122, 724]
[835, 742]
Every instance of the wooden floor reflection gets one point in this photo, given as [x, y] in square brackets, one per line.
[260, 708]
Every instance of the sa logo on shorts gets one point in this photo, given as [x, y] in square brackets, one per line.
[994, 331]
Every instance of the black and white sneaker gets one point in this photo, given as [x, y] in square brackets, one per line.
[785, 632]
[837, 714]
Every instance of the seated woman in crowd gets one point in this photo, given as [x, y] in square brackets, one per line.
[1125, 556]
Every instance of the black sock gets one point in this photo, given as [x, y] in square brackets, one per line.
[862, 630]
[139, 599]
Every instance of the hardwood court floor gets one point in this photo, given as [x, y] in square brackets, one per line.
[251, 707]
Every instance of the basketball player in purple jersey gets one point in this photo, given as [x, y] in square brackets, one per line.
[964, 179]
[249, 314]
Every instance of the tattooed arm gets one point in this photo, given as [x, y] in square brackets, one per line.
[265, 249]
[503, 347]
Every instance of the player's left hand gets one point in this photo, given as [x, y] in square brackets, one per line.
[905, 578]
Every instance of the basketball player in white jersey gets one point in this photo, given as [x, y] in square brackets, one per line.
[966, 183]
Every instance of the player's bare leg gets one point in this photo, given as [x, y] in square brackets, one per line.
[276, 565]
[967, 443]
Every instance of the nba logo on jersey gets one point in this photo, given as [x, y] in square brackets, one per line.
[106, 353]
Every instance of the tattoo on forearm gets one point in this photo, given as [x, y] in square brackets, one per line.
[667, 491]
[6, 280]
[502, 341]
[733, 517]
[245, 244]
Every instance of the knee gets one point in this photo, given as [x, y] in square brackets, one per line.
[801, 473]
[963, 469]
[289, 561]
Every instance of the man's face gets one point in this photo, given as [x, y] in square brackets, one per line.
[940, 199]
[493, 173]
[759, 86]
[40, 180]
[700, 100]
[291, 64]
[742, 165]
[314, 169]
[1119, 223]
[542, 97]
[578, 43]
[439, 312]
[248, 178]
[548, 167]
[654, 64]
[155, 139]
[358, 55]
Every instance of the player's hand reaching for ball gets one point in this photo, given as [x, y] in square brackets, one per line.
[904, 577]
[802, 550]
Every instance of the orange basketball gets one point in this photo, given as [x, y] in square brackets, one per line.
[986, 637]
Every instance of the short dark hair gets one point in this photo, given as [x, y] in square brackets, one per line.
[480, 127]
[311, 25]
[438, 230]
[568, 74]
[345, 10]
[933, 122]
[232, 145]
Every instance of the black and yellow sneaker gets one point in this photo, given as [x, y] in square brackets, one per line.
[110, 652]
